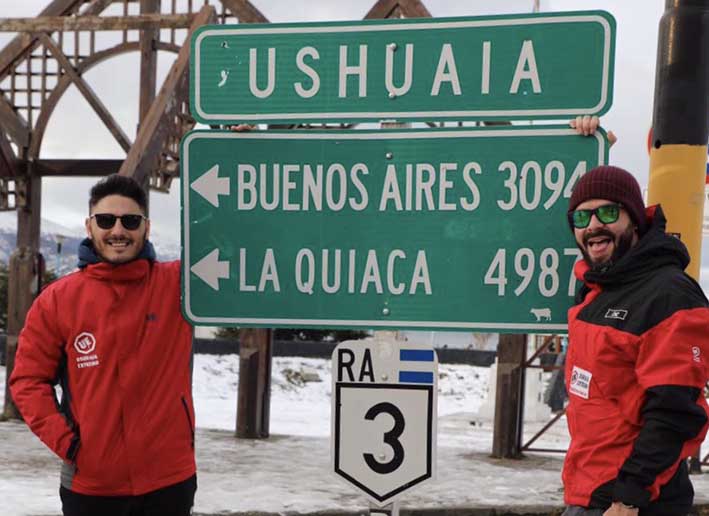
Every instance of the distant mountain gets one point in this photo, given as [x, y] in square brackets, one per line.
[66, 259]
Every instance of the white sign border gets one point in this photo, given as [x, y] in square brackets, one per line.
[432, 422]
[431, 432]
[186, 180]
[513, 113]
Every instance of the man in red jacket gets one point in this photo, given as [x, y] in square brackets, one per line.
[637, 357]
[112, 335]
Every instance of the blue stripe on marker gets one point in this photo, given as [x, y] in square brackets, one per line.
[416, 355]
[415, 377]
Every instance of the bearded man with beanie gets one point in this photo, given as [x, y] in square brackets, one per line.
[637, 357]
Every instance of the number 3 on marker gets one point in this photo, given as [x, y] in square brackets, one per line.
[391, 438]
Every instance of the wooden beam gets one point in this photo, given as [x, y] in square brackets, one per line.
[87, 92]
[245, 11]
[13, 124]
[77, 167]
[8, 160]
[382, 9]
[96, 7]
[148, 60]
[29, 215]
[78, 23]
[414, 9]
[24, 42]
[60, 167]
[155, 129]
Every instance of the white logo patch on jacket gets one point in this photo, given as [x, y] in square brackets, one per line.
[580, 382]
[85, 344]
[616, 313]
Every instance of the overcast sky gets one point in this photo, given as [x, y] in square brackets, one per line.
[75, 131]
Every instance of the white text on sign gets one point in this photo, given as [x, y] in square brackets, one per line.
[354, 63]
[335, 270]
[404, 187]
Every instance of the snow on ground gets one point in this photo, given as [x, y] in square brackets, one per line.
[290, 471]
[301, 407]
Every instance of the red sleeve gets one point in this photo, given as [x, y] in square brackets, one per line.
[676, 351]
[39, 353]
[671, 368]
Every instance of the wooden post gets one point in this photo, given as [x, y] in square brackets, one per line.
[148, 59]
[254, 398]
[148, 75]
[509, 400]
[22, 283]
[9, 410]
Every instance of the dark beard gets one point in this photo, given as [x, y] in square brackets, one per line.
[622, 245]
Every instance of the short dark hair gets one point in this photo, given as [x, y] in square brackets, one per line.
[118, 185]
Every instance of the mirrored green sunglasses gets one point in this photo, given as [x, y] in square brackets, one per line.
[606, 214]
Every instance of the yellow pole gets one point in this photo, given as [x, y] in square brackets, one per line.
[677, 175]
[681, 122]
[680, 125]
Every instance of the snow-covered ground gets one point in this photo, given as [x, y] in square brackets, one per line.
[301, 407]
[290, 471]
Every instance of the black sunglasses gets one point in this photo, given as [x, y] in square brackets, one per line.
[108, 220]
[606, 214]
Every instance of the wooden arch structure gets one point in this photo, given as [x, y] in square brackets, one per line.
[52, 52]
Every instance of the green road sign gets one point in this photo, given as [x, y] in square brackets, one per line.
[552, 65]
[438, 229]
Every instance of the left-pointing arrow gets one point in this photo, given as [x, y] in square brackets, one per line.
[210, 186]
[210, 270]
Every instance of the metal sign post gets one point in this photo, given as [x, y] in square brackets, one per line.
[391, 509]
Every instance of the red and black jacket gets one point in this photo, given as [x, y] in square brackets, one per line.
[635, 372]
[114, 338]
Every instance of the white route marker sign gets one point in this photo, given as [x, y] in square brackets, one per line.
[384, 416]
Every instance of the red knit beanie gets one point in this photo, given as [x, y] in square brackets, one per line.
[614, 184]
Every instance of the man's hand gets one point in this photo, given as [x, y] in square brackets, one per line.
[618, 509]
[587, 125]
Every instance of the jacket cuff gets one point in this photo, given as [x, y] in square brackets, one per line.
[630, 493]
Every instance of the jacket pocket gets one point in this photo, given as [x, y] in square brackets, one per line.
[189, 419]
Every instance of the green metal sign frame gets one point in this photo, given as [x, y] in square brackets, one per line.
[533, 66]
[455, 229]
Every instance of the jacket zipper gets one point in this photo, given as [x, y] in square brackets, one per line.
[189, 418]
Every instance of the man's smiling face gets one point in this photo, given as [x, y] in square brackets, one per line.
[603, 243]
[117, 244]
